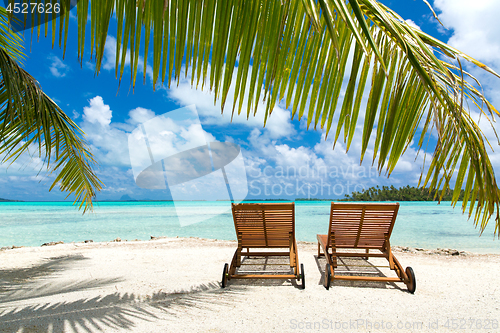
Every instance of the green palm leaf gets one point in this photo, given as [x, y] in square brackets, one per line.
[281, 49]
[29, 118]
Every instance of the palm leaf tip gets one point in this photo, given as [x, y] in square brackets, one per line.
[29, 118]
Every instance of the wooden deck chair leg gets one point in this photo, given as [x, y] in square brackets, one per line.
[331, 275]
[238, 251]
[296, 256]
[401, 274]
[294, 262]
[388, 251]
[331, 259]
[367, 252]
[326, 253]
[291, 248]
[334, 258]
[232, 269]
[238, 257]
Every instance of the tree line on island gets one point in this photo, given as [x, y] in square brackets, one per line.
[407, 193]
[7, 200]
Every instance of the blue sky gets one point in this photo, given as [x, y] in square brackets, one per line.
[108, 115]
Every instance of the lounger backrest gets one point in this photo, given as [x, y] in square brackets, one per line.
[361, 225]
[264, 224]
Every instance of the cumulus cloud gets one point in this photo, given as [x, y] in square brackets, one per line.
[413, 24]
[26, 166]
[167, 134]
[110, 58]
[278, 124]
[140, 115]
[97, 112]
[109, 140]
[57, 67]
[475, 27]
[319, 170]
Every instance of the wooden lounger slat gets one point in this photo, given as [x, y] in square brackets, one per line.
[361, 226]
[267, 254]
[366, 278]
[352, 254]
[261, 226]
[263, 276]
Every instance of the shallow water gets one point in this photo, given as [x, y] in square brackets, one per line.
[419, 224]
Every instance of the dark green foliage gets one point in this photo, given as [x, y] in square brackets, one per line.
[7, 200]
[406, 193]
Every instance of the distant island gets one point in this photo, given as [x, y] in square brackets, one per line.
[126, 197]
[384, 193]
[7, 200]
[406, 193]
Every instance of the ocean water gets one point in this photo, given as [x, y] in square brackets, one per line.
[419, 224]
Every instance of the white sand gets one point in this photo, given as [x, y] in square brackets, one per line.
[172, 285]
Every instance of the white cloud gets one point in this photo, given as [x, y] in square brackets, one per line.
[27, 175]
[165, 136]
[110, 58]
[27, 165]
[140, 115]
[108, 143]
[110, 140]
[90, 65]
[413, 24]
[321, 171]
[278, 123]
[475, 27]
[57, 67]
[97, 112]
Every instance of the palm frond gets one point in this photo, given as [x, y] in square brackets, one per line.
[28, 117]
[10, 42]
[298, 51]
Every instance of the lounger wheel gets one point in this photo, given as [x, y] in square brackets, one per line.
[302, 276]
[327, 277]
[225, 275]
[411, 283]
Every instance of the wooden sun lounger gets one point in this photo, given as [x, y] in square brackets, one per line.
[364, 226]
[262, 229]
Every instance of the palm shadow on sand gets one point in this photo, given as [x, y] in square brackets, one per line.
[26, 283]
[116, 310]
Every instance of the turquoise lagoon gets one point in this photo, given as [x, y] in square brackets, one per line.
[419, 224]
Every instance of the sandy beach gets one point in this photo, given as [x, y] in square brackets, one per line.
[173, 285]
